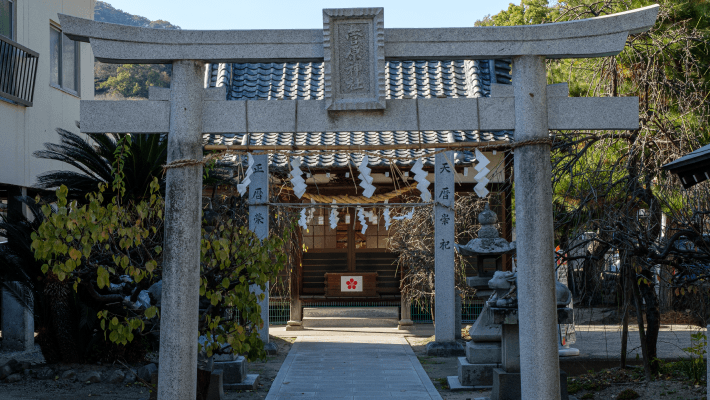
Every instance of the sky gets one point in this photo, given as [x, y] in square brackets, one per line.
[307, 14]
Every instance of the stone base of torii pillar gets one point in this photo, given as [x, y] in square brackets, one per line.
[506, 379]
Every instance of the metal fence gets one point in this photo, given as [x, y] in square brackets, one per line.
[18, 72]
[470, 310]
[352, 304]
[280, 309]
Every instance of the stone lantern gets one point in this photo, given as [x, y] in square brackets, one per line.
[487, 250]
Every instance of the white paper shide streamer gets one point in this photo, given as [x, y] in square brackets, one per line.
[386, 214]
[422, 182]
[299, 184]
[334, 217]
[361, 218]
[306, 216]
[365, 178]
[311, 212]
[242, 187]
[408, 215]
[482, 176]
[303, 221]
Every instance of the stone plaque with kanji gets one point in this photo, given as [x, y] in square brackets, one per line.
[354, 54]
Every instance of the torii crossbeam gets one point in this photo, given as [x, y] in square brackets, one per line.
[355, 101]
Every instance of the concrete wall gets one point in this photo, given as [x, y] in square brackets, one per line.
[23, 130]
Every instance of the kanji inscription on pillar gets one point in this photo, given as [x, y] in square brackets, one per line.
[444, 246]
[354, 55]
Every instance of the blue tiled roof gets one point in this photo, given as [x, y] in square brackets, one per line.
[404, 80]
[700, 155]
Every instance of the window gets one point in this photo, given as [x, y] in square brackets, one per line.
[321, 236]
[64, 61]
[7, 19]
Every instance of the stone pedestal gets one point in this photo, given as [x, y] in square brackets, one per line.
[215, 390]
[294, 325]
[506, 380]
[18, 326]
[506, 385]
[510, 348]
[483, 353]
[405, 320]
[295, 322]
[444, 349]
[478, 376]
[235, 376]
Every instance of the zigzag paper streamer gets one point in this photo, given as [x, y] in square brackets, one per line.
[299, 185]
[386, 214]
[420, 176]
[334, 217]
[408, 215]
[303, 221]
[482, 176]
[242, 187]
[311, 212]
[366, 179]
[361, 218]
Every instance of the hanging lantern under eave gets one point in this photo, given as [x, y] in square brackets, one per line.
[486, 250]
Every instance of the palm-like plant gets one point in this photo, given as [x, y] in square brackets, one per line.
[94, 160]
[61, 317]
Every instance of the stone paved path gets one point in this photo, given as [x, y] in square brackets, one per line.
[352, 367]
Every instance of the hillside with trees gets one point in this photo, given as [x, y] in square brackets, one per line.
[104, 12]
[128, 81]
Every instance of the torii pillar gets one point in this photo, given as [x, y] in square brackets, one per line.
[183, 231]
[537, 310]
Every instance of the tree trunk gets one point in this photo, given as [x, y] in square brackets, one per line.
[63, 322]
[639, 316]
[626, 303]
[653, 319]
[624, 336]
[625, 322]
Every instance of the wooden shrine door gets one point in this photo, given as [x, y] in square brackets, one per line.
[331, 254]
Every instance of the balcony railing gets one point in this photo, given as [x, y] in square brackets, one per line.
[18, 72]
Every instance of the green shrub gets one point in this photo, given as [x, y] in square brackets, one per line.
[573, 386]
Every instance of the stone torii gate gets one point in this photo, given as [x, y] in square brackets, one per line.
[354, 46]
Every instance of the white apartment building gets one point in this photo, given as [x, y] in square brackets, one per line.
[43, 75]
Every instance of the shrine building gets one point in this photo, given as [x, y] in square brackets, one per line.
[331, 253]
